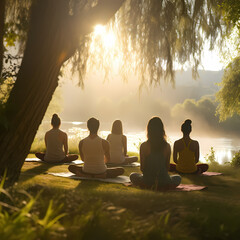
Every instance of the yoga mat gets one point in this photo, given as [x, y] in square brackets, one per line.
[210, 174]
[119, 179]
[134, 164]
[39, 160]
[188, 188]
[180, 188]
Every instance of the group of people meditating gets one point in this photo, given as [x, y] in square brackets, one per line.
[103, 158]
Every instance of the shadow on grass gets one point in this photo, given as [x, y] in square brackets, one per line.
[37, 170]
[89, 185]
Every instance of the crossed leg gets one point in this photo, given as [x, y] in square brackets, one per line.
[110, 172]
[68, 158]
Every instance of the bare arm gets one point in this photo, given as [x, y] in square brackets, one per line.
[80, 150]
[168, 155]
[142, 157]
[175, 153]
[197, 152]
[65, 143]
[45, 139]
[106, 148]
[124, 140]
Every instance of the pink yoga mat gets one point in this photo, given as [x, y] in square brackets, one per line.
[188, 188]
[210, 174]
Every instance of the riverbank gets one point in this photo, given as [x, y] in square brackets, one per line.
[95, 210]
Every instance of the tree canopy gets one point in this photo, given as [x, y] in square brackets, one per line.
[229, 95]
[155, 37]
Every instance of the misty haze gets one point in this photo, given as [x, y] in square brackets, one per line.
[113, 99]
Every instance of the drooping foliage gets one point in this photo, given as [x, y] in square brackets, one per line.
[229, 95]
[232, 11]
[155, 37]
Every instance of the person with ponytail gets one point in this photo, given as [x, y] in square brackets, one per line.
[186, 153]
[56, 142]
[154, 159]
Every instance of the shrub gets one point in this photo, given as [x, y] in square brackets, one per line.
[236, 160]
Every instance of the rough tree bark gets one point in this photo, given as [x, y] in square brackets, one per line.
[52, 39]
[2, 19]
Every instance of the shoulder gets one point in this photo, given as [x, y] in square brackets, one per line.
[178, 143]
[47, 133]
[105, 144]
[195, 142]
[64, 134]
[144, 145]
[124, 137]
[104, 141]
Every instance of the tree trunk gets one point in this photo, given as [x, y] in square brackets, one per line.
[52, 39]
[36, 82]
[2, 21]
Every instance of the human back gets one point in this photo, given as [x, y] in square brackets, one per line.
[118, 146]
[55, 139]
[186, 152]
[56, 142]
[186, 148]
[92, 149]
[155, 164]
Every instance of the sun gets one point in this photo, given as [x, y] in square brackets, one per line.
[99, 30]
[107, 37]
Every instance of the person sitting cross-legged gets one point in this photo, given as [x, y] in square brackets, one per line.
[56, 142]
[93, 150]
[118, 146]
[186, 153]
[154, 158]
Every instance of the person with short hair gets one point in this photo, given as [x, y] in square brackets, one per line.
[94, 152]
[154, 159]
[118, 146]
[186, 153]
[56, 142]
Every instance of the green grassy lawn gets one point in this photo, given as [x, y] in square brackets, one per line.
[95, 210]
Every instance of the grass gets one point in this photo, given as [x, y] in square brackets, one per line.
[95, 210]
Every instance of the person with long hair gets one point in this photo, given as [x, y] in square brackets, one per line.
[56, 142]
[186, 153]
[118, 146]
[93, 152]
[154, 159]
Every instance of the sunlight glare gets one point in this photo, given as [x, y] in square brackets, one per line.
[107, 37]
[99, 29]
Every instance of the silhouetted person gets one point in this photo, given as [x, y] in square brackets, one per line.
[56, 142]
[155, 157]
[186, 153]
[93, 150]
[118, 145]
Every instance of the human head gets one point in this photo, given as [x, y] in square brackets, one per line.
[155, 130]
[56, 121]
[186, 127]
[117, 127]
[93, 125]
